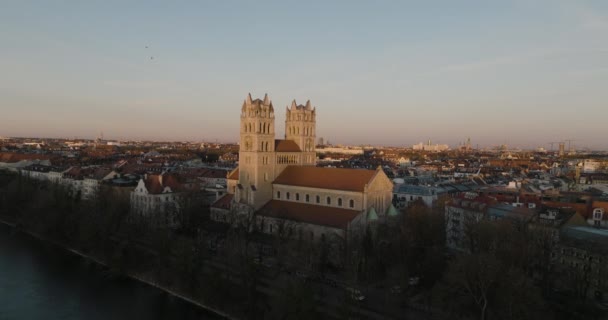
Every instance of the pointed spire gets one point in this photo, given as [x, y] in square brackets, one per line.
[266, 99]
[308, 105]
[372, 215]
[392, 211]
[293, 104]
[248, 99]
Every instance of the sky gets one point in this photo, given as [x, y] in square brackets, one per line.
[522, 73]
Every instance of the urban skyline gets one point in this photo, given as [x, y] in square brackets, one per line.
[516, 73]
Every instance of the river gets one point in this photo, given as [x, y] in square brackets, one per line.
[42, 281]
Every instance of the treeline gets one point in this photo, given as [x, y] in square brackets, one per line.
[104, 229]
[507, 274]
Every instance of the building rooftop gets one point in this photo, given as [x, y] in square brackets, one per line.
[326, 178]
[502, 211]
[418, 190]
[234, 175]
[590, 238]
[286, 146]
[308, 213]
[223, 202]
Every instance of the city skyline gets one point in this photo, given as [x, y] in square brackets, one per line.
[517, 73]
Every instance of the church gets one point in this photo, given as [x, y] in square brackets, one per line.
[278, 181]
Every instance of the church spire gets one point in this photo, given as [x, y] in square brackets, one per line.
[266, 99]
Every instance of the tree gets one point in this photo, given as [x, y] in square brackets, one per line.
[475, 275]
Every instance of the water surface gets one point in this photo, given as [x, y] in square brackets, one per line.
[41, 281]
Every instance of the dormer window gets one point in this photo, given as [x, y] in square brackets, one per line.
[598, 214]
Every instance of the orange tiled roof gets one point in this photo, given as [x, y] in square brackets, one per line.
[286, 146]
[308, 213]
[234, 175]
[154, 185]
[223, 202]
[326, 178]
[16, 157]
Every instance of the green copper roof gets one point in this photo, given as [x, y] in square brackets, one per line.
[371, 214]
[392, 212]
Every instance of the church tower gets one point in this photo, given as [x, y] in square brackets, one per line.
[256, 152]
[300, 126]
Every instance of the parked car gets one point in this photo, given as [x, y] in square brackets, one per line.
[302, 275]
[414, 281]
[355, 294]
[396, 290]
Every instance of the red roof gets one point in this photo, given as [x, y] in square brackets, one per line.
[326, 178]
[286, 146]
[156, 185]
[8, 157]
[223, 202]
[308, 213]
[234, 175]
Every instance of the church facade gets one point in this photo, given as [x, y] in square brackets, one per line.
[278, 181]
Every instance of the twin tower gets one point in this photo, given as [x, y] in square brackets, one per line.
[262, 157]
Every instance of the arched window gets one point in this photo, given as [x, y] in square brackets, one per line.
[278, 194]
[318, 199]
[287, 195]
[307, 198]
[297, 197]
[328, 200]
[339, 202]
[351, 203]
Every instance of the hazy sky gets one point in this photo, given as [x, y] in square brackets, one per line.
[380, 72]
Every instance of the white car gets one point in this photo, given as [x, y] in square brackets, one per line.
[355, 294]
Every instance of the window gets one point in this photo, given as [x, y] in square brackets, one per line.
[318, 199]
[328, 200]
[287, 195]
[307, 198]
[351, 203]
[339, 202]
[278, 194]
[270, 226]
[297, 197]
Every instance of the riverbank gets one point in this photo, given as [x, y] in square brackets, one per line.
[141, 279]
